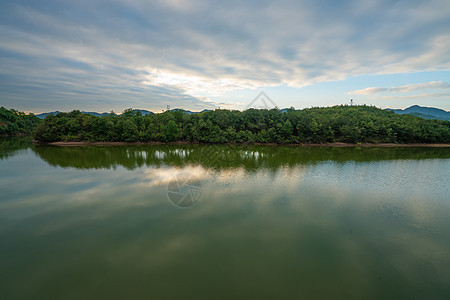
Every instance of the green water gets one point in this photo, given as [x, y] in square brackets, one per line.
[223, 222]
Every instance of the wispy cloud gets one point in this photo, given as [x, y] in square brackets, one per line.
[416, 96]
[403, 89]
[410, 92]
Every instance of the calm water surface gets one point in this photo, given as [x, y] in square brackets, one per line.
[223, 222]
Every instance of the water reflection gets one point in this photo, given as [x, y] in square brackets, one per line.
[10, 146]
[223, 156]
[275, 222]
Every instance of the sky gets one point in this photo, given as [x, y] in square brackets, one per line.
[99, 55]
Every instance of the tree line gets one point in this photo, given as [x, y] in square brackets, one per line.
[14, 122]
[348, 124]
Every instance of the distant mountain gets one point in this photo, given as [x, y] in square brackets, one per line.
[423, 112]
[43, 115]
[188, 112]
[175, 109]
[144, 112]
[94, 113]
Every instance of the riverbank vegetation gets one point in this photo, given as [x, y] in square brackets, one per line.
[347, 124]
[14, 122]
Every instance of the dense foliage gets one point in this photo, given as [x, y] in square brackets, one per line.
[14, 122]
[350, 124]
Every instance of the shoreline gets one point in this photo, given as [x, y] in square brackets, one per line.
[365, 145]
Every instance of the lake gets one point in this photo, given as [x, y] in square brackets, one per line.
[223, 222]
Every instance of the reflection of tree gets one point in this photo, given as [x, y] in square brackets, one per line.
[11, 145]
[249, 157]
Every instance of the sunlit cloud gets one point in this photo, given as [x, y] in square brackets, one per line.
[195, 85]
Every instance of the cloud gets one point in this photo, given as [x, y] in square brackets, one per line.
[403, 89]
[196, 85]
[147, 53]
[421, 86]
[416, 96]
[369, 91]
[418, 91]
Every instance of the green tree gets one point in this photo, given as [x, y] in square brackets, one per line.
[172, 131]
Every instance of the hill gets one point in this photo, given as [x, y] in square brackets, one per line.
[14, 122]
[347, 124]
[43, 115]
[424, 112]
[142, 111]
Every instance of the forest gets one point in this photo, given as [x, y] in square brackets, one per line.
[14, 122]
[347, 124]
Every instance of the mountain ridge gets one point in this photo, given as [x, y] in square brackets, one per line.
[415, 110]
[423, 112]
[142, 111]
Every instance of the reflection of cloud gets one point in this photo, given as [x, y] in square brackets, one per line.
[158, 252]
[367, 224]
[163, 176]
